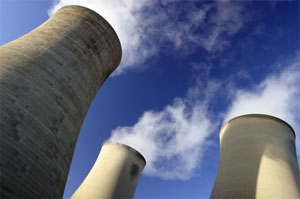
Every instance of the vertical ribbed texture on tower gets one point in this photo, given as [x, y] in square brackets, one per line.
[257, 159]
[115, 173]
[48, 78]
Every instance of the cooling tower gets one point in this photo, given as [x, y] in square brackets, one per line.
[48, 78]
[115, 173]
[257, 159]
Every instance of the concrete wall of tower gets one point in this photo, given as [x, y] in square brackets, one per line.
[48, 78]
[115, 173]
[257, 159]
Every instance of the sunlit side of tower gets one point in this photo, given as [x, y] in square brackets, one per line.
[257, 159]
[48, 78]
[115, 173]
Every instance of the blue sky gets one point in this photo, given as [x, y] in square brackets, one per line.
[187, 67]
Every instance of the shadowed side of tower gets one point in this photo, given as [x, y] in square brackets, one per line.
[257, 159]
[48, 78]
[115, 173]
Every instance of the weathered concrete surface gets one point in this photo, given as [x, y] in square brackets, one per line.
[115, 173]
[257, 159]
[48, 78]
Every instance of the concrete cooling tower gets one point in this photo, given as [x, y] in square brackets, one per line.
[48, 79]
[115, 173]
[257, 159]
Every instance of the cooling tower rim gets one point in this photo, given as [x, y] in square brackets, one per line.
[102, 18]
[256, 115]
[135, 152]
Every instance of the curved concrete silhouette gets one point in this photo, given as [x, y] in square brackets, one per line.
[257, 159]
[115, 173]
[48, 78]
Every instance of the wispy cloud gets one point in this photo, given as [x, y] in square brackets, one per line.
[147, 27]
[277, 95]
[173, 140]
[227, 21]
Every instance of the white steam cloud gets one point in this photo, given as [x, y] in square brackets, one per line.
[174, 139]
[125, 18]
[147, 27]
[277, 95]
